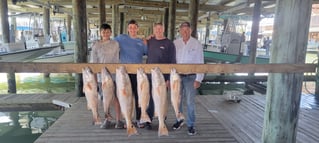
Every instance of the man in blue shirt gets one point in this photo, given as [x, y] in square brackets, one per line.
[132, 50]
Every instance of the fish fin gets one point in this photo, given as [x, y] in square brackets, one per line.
[89, 86]
[174, 85]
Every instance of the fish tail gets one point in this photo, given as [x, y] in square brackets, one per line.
[131, 130]
[162, 130]
[145, 118]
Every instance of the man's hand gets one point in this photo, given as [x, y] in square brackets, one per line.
[196, 84]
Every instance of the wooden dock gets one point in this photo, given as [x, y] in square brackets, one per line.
[27, 102]
[217, 121]
[75, 126]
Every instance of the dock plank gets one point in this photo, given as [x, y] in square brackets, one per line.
[245, 119]
[75, 126]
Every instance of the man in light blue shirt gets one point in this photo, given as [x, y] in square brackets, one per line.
[132, 50]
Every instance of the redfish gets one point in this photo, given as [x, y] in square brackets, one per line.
[175, 84]
[108, 91]
[159, 94]
[91, 94]
[126, 99]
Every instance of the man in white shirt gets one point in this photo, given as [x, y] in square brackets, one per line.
[189, 51]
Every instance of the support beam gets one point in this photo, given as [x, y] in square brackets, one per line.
[172, 17]
[6, 39]
[166, 20]
[69, 24]
[122, 23]
[102, 12]
[46, 22]
[193, 16]
[80, 50]
[115, 19]
[291, 28]
[165, 68]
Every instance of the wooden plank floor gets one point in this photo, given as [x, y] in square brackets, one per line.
[27, 102]
[245, 119]
[75, 126]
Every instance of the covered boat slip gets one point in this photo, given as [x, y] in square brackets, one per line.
[217, 121]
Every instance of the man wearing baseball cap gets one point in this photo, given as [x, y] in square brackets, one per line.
[188, 51]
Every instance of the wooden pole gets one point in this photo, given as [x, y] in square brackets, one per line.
[254, 32]
[166, 16]
[6, 38]
[115, 19]
[193, 16]
[122, 23]
[172, 17]
[207, 30]
[253, 40]
[102, 12]
[69, 23]
[80, 50]
[291, 28]
[317, 80]
[46, 22]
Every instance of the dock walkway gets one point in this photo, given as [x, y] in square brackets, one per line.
[217, 121]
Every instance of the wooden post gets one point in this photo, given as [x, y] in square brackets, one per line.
[193, 16]
[115, 21]
[317, 80]
[254, 32]
[166, 15]
[172, 17]
[207, 30]
[6, 38]
[102, 12]
[290, 37]
[46, 22]
[80, 50]
[253, 41]
[69, 23]
[122, 23]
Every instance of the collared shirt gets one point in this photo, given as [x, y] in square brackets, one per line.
[105, 52]
[132, 50]
[190, 52]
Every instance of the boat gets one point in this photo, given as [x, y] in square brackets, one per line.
[9, 54]
[64, 56]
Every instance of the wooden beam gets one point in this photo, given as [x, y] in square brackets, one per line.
[291, 29]
[181, 68]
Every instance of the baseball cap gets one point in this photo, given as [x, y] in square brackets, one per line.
[185, 24]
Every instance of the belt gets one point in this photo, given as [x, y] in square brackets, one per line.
[187, 75]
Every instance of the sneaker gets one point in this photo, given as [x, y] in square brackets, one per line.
[119, 125]
[178, 124]
[106, 124]
[191, 131]
[140, 125]
[148, 126]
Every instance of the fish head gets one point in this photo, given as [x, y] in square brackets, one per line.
[105, 74]
[87, 73]
[140, 73]
[174, 75]
[156, 73]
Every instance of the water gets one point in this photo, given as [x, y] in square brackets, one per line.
[26, 126]
[37, 83]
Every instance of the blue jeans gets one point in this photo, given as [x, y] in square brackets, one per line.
[189, 92]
